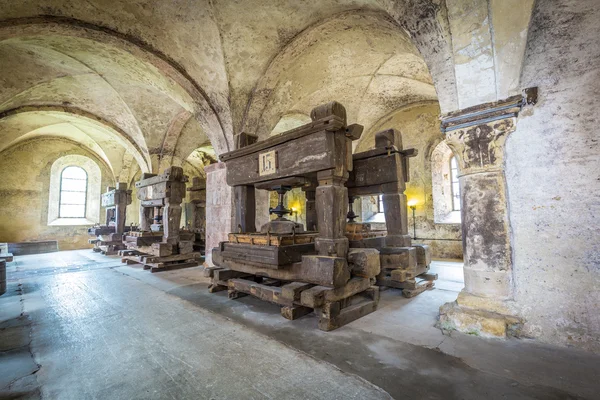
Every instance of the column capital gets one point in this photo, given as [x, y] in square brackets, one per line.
[477, 134]
[480, 148]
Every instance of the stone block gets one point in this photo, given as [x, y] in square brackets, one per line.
[398, 257]
[186, 246]
[478, 322]
[484, 283]
[364, 262]
[423, 254]
[162, 249]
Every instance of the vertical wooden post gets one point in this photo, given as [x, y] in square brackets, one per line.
[122, 199]
[171, 220]
[245, 208]
[311, 210]
[110, 212]
[331, 200]
[396, 218]
[146, 217]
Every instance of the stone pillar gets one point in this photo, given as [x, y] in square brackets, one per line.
[219, 200]
[477, 137]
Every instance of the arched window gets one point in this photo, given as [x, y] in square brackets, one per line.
[73, 193]
[445, 187]
[455, 185]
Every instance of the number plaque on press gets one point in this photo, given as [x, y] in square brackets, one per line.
[267, 163]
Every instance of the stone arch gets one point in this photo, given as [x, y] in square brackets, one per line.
[395, 77]
[200, 106]
[70, 114]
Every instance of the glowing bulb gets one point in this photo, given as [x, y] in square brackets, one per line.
[412, 203]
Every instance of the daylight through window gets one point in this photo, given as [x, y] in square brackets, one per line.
[73, 191]
[455, 185]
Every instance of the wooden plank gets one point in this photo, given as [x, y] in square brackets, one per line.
[294, 312]
[429, 277]
[224, 274]
[174, 257]
[316, 296]
[266, 256]
[331, 122]
[324, 271]
[422, 286]
[8, 257]
[292, 291]
[274, 239]
[209, 271]
[169, 267]
[332, 316]
[377, 170]
[304, 155]
[292, 181]
[271, 294]
[408, 284]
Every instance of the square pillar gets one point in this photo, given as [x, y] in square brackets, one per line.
[477, 137]
[219, 207]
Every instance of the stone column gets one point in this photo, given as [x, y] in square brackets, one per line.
[219, 202]
[477, 137]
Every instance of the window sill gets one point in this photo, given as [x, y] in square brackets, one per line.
[378, 217]
[71, 222]
[452, 218]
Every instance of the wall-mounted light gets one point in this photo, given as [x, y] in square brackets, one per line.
[295, 209]
[412, 203]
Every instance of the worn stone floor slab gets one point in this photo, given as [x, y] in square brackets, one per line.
[112, 331]
[101, 334]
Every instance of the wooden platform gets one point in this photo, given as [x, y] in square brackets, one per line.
[8, 257]
[157, 264]
[410, 287]
[335, 307]
[107, 248]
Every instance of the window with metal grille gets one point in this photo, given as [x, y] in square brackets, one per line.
[455, 184]
[73, 193]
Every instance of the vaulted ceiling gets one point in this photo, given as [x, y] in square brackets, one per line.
[146, 84]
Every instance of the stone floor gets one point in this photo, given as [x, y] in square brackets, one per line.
[77, 325]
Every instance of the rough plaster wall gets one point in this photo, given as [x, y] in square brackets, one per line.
[553, 177]
[24, 193]
[488, 41]
[419, 125]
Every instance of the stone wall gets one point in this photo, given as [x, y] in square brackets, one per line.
[553, 177]
[24, 193]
